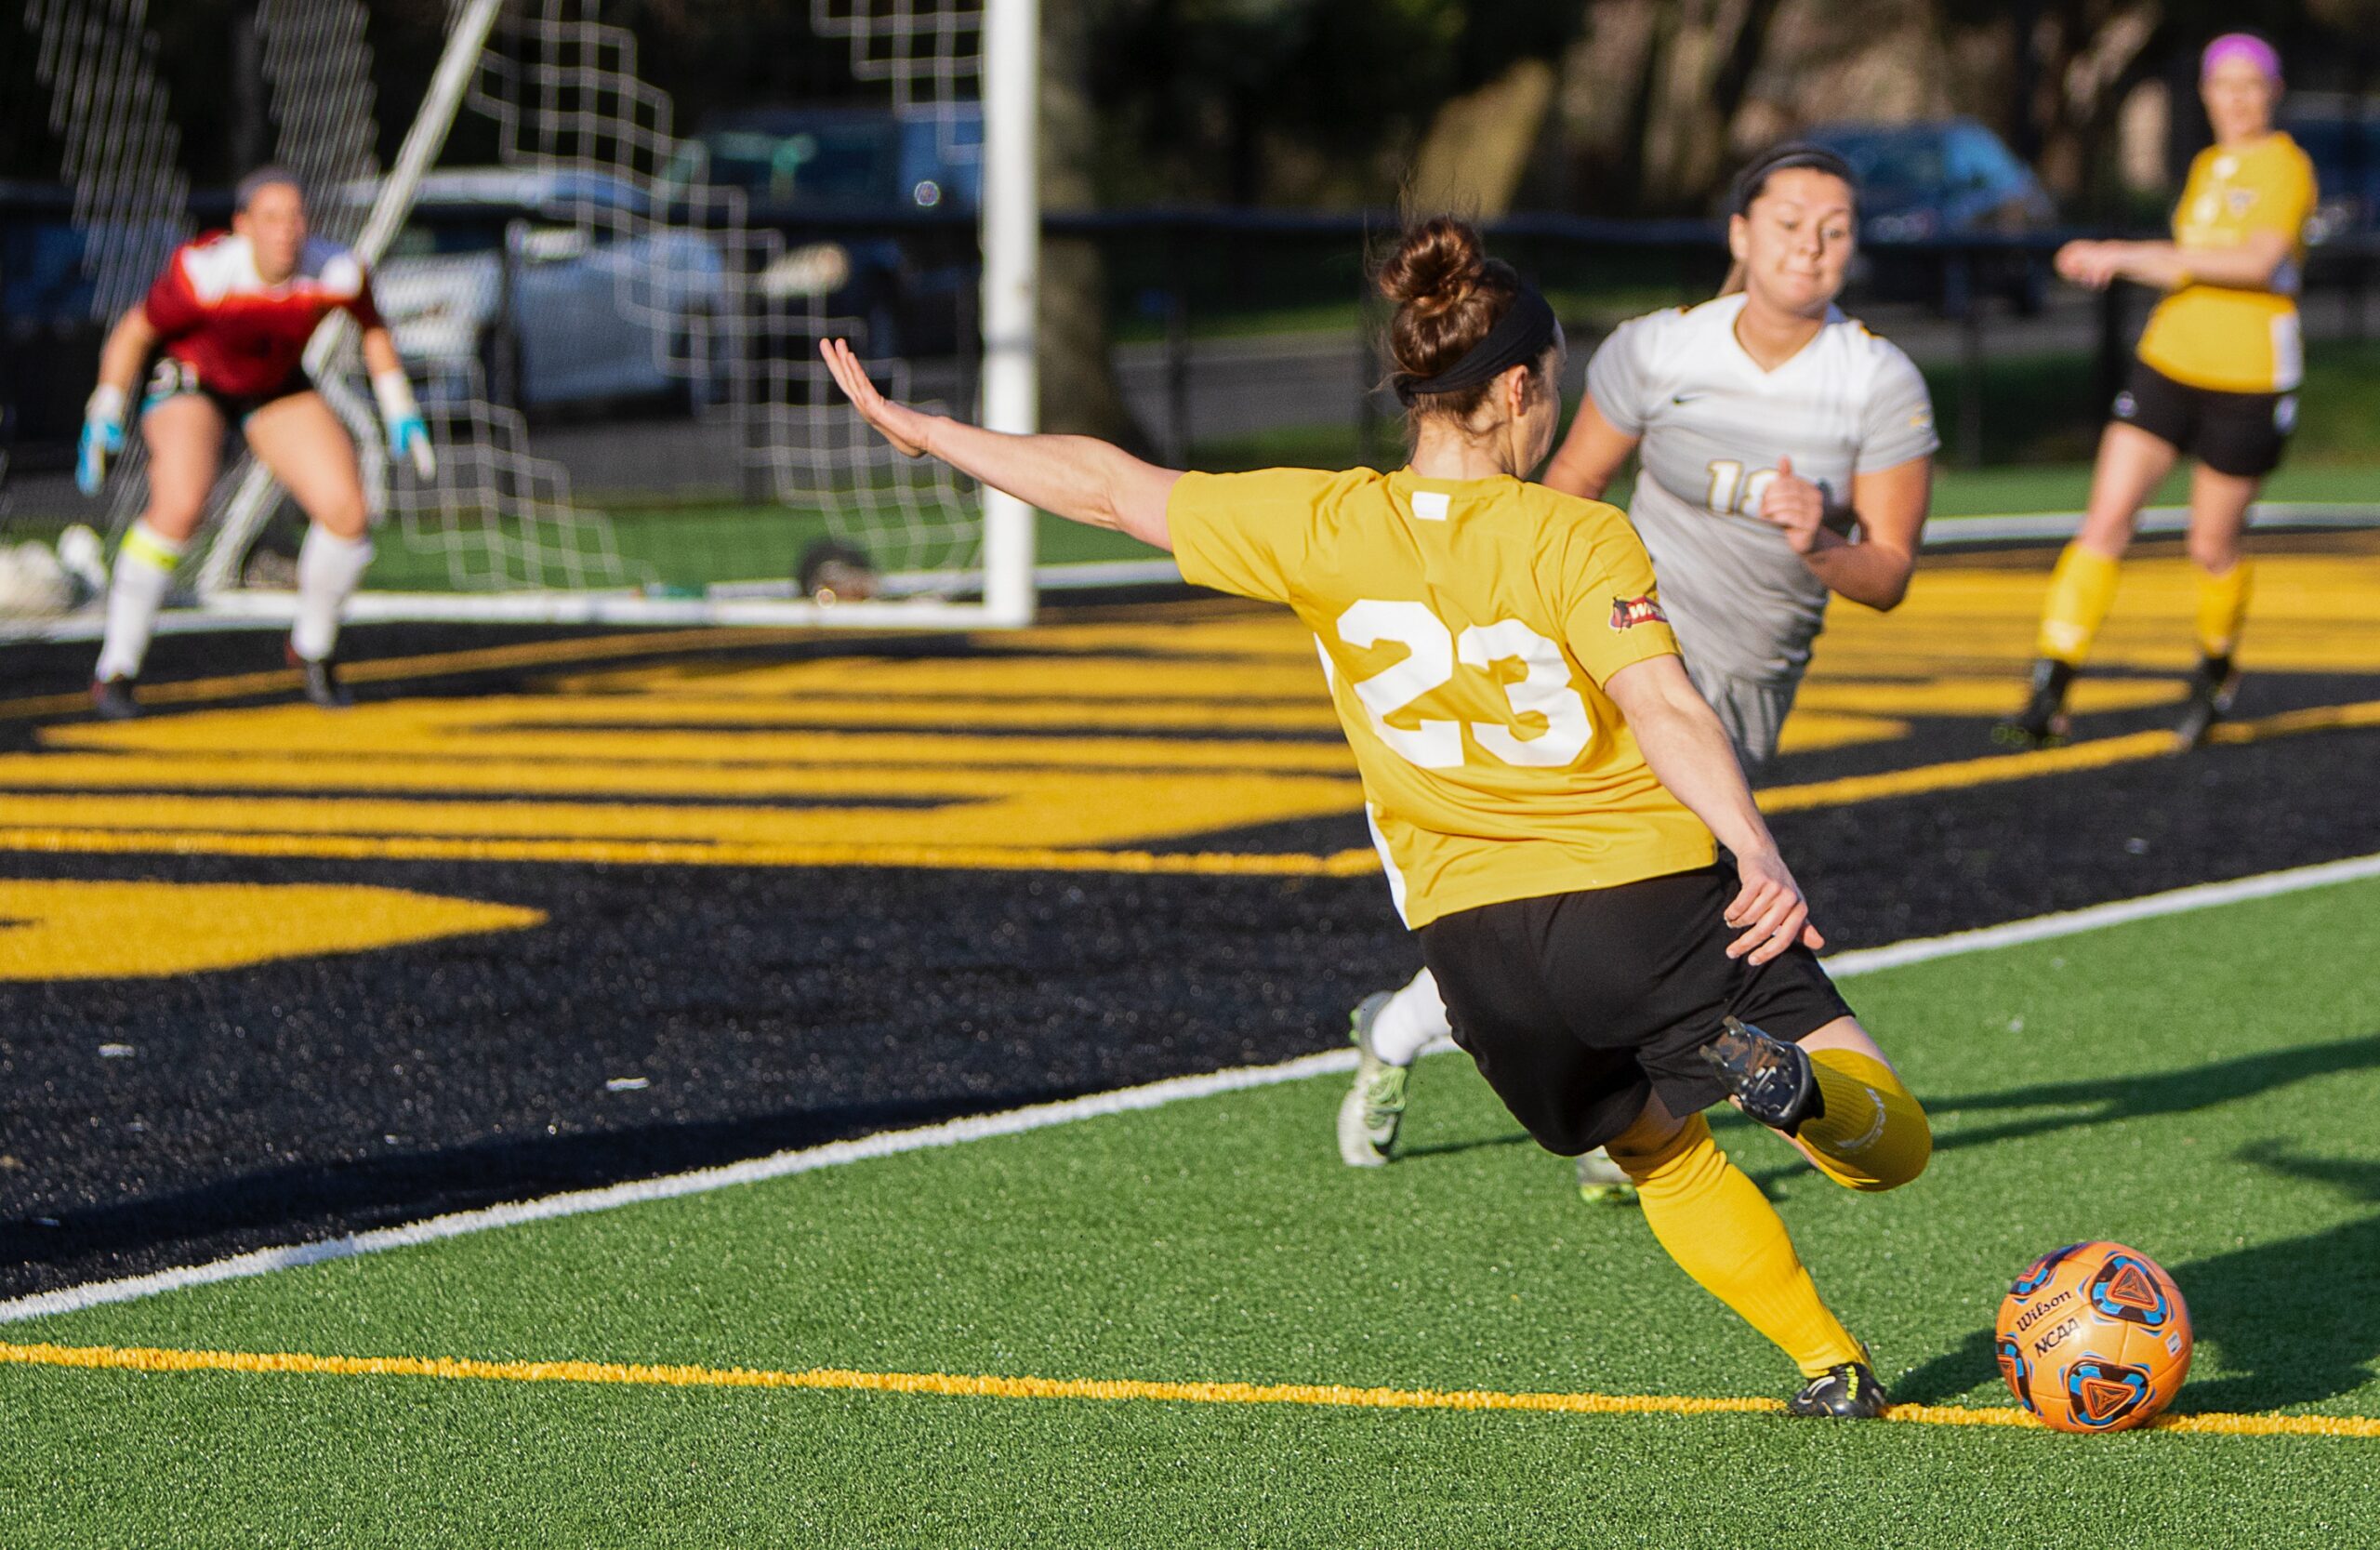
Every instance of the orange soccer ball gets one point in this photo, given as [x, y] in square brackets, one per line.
[2093, 1337]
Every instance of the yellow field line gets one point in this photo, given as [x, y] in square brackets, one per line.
[2098, 754]
[675, 853]
[529, 654]
[150, 1359]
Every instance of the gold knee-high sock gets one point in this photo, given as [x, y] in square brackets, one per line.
[1873, 1135]
[1719, 1228]
[2222, 607]
[2082, 589]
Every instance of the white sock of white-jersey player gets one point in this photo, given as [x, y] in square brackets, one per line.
[1414, 1019]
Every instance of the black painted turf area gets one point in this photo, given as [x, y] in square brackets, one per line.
[784, 1008]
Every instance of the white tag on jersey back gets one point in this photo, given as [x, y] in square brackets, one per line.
[1430, 505]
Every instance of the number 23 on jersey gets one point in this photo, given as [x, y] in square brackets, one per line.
[1433, 650]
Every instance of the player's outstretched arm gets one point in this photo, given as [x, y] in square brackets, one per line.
[1688, 750]
[1079, 478]
[2250, 267]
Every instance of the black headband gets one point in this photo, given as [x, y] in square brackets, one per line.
[1519, 337]
[1780, 158]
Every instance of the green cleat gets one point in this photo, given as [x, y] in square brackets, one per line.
[2043, 722]
[1374, 1106]
[1601, 1182]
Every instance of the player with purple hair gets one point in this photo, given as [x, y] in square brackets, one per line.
[2216, 378]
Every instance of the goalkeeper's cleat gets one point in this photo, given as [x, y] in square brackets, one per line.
[1374, 1106]
[111, 699]
[2043, 724]
[319, 679]
[1770, 1079]
[2212, 688]
[1603, 1182]
[1848, 1390]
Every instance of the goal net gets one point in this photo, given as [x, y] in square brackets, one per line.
[612, 318]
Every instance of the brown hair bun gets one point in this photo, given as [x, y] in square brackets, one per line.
[1436, 267]
[1448, 294]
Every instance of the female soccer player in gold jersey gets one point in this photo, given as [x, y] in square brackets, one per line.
[1543, 782]
[2216, 376]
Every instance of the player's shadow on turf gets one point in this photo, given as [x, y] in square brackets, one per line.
[2134, 1098]
[305, 1201]
[2292, 1320]
[1469, 1143]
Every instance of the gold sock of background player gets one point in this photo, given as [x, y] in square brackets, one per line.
[1722, 1231]
[2082, 589]
[2222, 609]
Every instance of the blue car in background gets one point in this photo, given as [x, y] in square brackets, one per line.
[1943, 178]
[2341, 135]
[876, 180]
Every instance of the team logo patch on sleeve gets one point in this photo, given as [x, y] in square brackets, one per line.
[1628, 612]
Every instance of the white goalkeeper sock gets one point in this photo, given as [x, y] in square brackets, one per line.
[144, 573]
[1413, 1019]
[328, 570]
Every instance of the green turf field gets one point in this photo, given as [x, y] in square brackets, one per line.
[2198, 1085]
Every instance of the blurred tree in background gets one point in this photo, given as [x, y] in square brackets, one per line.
[1615, 106]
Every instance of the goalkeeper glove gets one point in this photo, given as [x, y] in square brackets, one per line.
[408, 436]
[102, 438]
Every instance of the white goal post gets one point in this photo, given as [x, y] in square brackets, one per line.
[999, 592]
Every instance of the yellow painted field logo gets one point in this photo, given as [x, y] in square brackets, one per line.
[1152, 744]
[78, 929]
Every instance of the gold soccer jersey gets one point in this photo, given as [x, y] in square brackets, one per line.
[2220, 337]
[1467, 628]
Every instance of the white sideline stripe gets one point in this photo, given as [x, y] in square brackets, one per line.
[1127, 1100]
[1868, 961]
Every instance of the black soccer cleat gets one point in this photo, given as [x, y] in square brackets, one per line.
[320, 680]
[2043, 724]
[1848, 1390]
[2212, 690]
[1769, 1078]
[111, 699]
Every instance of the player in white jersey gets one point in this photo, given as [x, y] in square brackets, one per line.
[1785, 453]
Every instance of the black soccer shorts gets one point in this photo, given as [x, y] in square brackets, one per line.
[1577, 1005]
[2241, 434]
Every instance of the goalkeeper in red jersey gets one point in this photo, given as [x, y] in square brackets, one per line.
[232, 313]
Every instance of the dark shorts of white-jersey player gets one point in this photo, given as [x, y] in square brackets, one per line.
[1785, 454]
